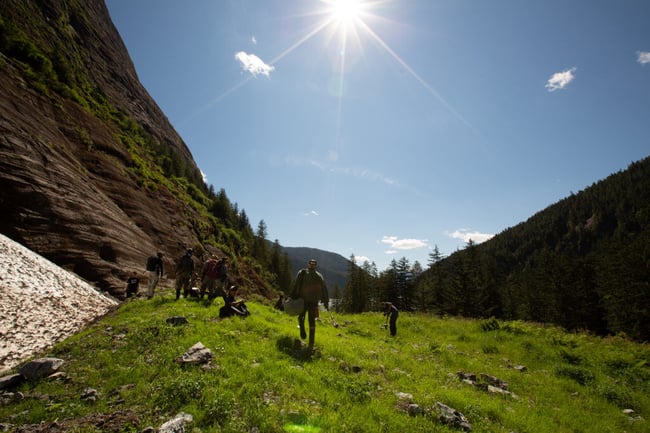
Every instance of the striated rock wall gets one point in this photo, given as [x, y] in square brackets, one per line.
[67, 188]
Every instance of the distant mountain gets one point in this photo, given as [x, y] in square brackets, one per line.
[334, 267]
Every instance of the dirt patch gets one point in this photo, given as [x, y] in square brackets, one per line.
[113, 422]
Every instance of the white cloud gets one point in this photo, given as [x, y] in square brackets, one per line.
[359, 260]
[253, 64]
[644, 57]
[310, 213]
[403, 244]
[467, 235]
[560, 80]
[254, 40]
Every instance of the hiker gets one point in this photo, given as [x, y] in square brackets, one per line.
[391, 312]
[210, 274]
[184, 271]
[233, 306]
[132, 286]
[279, 305]
[155, 270]
[310, 286]
[223, 274]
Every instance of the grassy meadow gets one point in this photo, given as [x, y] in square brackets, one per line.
[261, 380]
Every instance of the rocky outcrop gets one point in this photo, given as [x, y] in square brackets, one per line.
[69, 191]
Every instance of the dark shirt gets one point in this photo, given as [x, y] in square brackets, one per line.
[155, 264]
[310, 285]
[185, 264]
[390, 309]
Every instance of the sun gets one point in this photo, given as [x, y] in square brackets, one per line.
[345, 11]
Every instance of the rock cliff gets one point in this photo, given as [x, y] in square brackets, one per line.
[76, 133]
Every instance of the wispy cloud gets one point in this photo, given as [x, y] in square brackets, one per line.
[311, 213]
[360, 173]
[253, 64]
[560, 80]
[466, 235]
[254, 40]
[643, 57]
[397, 244]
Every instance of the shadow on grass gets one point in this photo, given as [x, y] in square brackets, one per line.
[296, 348]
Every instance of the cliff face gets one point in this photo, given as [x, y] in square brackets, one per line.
[69, 185]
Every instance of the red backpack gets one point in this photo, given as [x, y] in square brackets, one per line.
[212, 269]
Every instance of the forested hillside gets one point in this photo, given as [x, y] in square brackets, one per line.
[582, 263]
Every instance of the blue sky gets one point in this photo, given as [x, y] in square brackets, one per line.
[383, 128]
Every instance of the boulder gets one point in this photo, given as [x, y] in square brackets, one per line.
[10, 381]
[39, 368]
[197, 354]
[176, 425]
[450, 416]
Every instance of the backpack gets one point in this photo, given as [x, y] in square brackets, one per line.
[152, 262]
[213, 269]
[186, 264]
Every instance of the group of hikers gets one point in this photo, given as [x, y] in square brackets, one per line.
[211, 281]
[309, 285]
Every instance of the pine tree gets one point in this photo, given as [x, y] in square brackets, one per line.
[285, 275]
[260, 249]
[356, 291]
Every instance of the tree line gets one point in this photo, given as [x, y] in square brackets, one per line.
[582, 263]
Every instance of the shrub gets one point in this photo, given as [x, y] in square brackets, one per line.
[490, 324]
[178, 391]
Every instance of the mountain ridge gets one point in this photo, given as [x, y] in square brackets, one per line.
[334, 267]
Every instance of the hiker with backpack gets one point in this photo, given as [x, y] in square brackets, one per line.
[310, 286]
[184, 271]
[155, 271]
[210, 275]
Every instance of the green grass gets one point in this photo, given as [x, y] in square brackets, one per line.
[258, 379]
